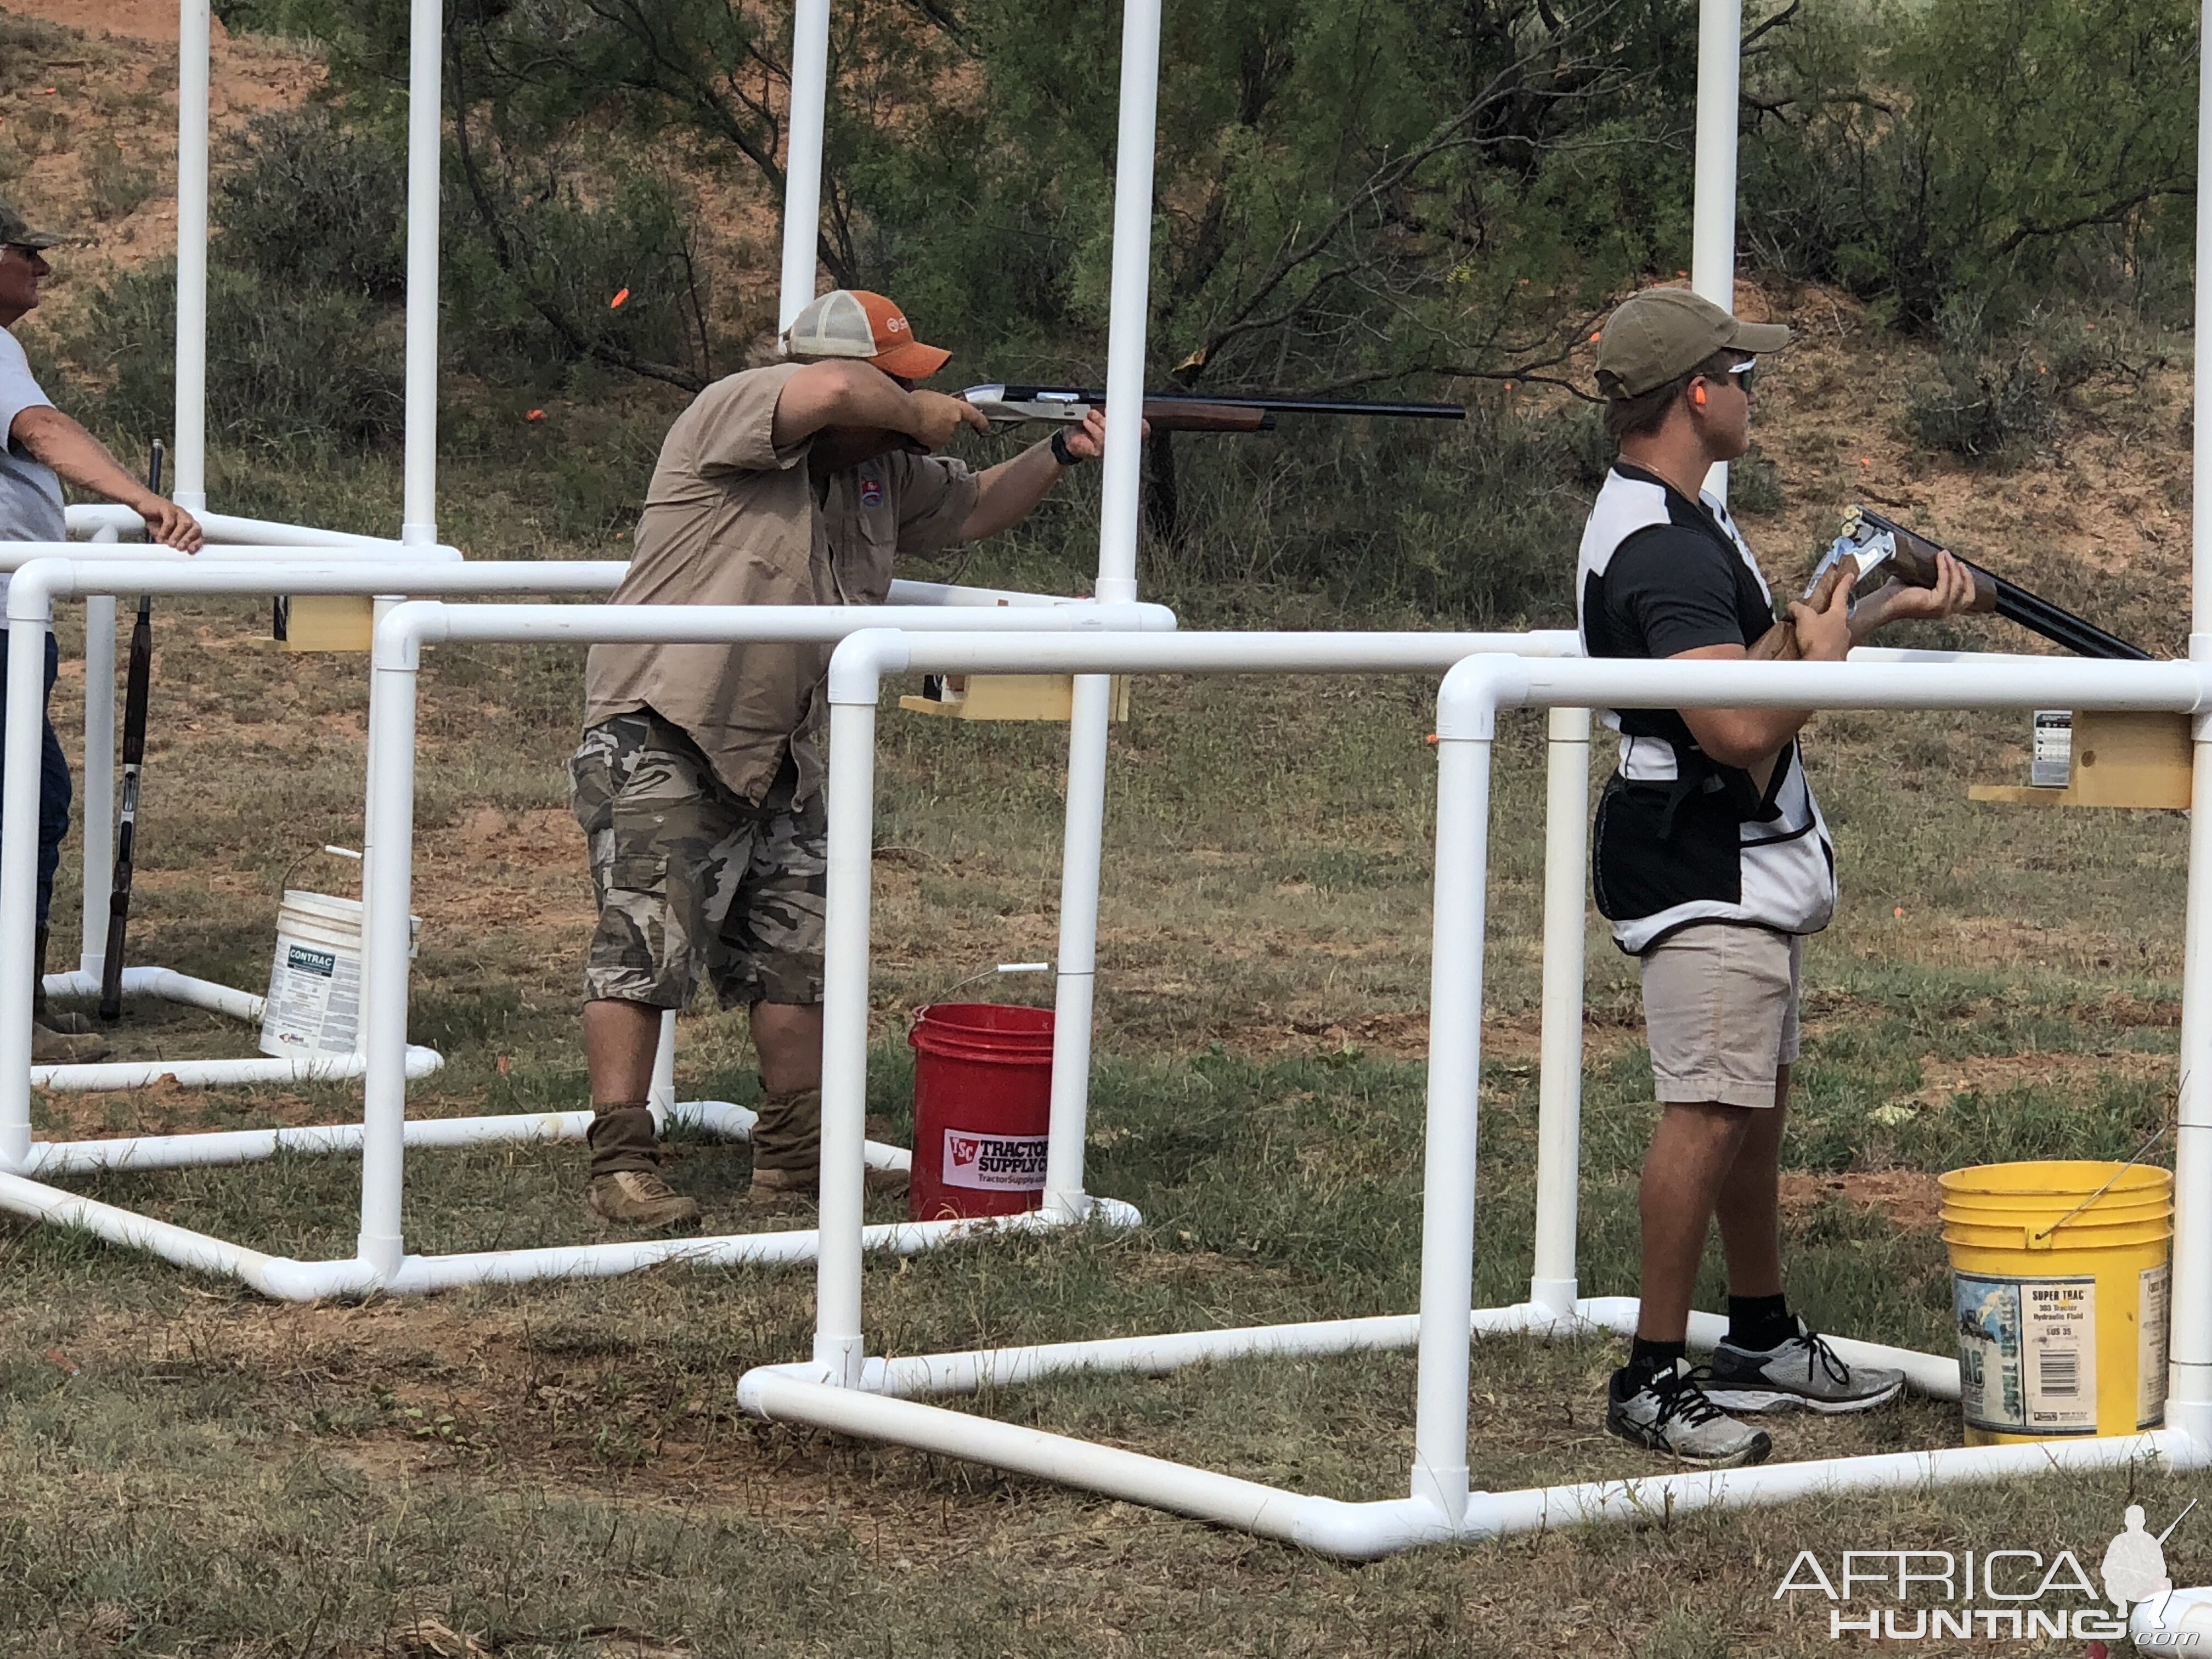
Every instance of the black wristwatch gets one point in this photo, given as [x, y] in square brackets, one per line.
[1060, 451]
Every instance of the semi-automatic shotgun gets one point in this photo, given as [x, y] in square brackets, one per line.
[1015, 405]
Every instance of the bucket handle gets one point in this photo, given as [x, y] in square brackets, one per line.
[1002, 968]
[285, 881]
[2041, 1239]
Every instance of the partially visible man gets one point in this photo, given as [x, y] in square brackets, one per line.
[699, 780]
[1712, 863]
[44, 446]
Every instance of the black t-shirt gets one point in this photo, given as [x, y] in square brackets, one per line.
[1670, 588]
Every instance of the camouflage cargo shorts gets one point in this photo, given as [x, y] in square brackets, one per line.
[687, 874]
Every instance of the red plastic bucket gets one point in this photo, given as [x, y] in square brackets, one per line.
[982, 1105]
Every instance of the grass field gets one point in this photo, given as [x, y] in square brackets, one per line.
[561, 1470]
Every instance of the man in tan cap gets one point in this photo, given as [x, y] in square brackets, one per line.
[699, 780]
[41, 448]
[1712, 863]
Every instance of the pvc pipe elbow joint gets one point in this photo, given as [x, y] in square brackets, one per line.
[1368, 1532]
[401, 631]
[857, 667]
[31, 590]
[1468, 704]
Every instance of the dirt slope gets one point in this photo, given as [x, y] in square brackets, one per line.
[89, 122]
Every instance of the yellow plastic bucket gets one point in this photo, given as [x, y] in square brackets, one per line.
[2059, 1287]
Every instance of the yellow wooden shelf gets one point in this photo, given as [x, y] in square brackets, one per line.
[2131, 759]
[1011, 698]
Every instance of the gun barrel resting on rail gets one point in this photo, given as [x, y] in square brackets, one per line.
[1015, 405]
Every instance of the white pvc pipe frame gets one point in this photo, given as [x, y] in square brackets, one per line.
[95, 573]
[381, 1261]
[239, 540]
[840, 1388]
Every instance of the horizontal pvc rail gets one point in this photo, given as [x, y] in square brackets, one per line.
[910, 1375]
[223, 1147]
[16, 555]
[1357, 1531]
[90, 519]
[288, 1280]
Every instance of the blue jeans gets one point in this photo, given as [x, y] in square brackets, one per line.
[53, 783]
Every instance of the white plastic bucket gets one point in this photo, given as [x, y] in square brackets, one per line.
[313, 1006]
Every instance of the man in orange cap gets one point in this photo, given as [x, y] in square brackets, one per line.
[698, 783]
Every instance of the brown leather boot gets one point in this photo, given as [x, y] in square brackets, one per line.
[626, 1184]
[639, 1198]
[787, 1156]
[62, 1023]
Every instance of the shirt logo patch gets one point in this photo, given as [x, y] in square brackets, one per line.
[871, 492]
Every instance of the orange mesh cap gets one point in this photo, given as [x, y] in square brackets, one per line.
[854, 323]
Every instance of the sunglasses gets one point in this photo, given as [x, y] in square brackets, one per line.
[1743, 372]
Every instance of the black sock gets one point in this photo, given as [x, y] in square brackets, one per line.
[1759, 1322]
[1647, 1358]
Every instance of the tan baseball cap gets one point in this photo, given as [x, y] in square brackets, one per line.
[1663, 332]
[850, 322]
[15, 232]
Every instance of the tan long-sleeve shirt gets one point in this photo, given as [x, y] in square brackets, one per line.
[732, 520]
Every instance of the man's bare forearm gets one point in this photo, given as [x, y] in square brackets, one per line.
[1009, 492]
[53, 438]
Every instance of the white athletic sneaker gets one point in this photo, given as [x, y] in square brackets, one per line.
[1801, 1373]
[1672, 1412]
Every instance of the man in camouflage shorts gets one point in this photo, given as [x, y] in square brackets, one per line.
[699, 780]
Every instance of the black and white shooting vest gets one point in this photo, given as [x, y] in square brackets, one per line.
[1681, 838]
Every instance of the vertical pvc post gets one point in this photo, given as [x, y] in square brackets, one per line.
[386, 877]
[1712, 214]
[1090, 717]
[802, 167]
[1081, 849]
[19, 877]
[426, 44]
[2189, 1374]
[191, 456]
[2200, 585]
[1559, 1086]
[1130, 306]
[660, 1095]
[96, 790]
[1454, 1078]
[2189, 1377]
[852, 811]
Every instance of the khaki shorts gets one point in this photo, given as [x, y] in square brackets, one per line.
[1719, 1005]
[688, 875]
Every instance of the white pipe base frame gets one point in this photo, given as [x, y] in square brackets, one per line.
[285, 1278]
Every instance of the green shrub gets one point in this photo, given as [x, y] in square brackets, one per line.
[306, 201]
[1473, 522]
[298, 371]
[1995, 405]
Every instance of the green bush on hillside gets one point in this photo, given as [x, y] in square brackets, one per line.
[293, 371]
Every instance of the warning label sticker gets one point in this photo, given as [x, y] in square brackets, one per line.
[2027, 1354]
[994, 1161]
[2151, 1305]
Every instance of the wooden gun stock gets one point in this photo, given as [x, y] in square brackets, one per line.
[1779, 643]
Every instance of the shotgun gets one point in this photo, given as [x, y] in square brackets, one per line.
[137, 687]
[1913, 560]
[1870, 542]
[1017, 405]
